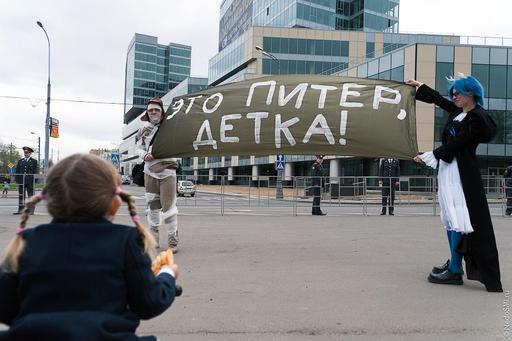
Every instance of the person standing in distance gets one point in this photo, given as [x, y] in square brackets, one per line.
[318, 173]
[389, 172]
[159, 178]
[25, 168]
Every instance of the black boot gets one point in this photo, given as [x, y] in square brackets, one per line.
[391, 211]
[446, 277]
[440, 268]
[383, 212]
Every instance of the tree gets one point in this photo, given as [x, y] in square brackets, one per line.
[8, 154]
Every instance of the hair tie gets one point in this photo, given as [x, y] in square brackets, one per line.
[40, 196]
[19, 230]
[136, 218]
[118, 190]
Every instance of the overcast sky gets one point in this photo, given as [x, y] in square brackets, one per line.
[89, 40]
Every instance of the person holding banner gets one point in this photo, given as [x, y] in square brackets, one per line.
[159, 177]
[318, 173]
[464, 208]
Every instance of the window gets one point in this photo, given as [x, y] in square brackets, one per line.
[498, 56]
[370, 50]
[284, 45]
[327, 48]
[481, 72]
[397, 59]
[302, 46]
[344, 48]
[397, 74]
[480, 55]
[497, 81]
[267, 44]
[373, 67]
[293, 46]
[276, 45]
[319, 47]
[445, 54]
[443, 70]
[336, 48]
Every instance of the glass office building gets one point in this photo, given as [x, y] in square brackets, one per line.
[305, 51]
[432, 63]
[152, 70]
[379, 55]
[236, 16]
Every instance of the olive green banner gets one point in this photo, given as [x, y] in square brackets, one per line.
[303, 114]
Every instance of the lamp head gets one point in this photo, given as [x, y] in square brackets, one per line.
[259, 48]
[39, 24]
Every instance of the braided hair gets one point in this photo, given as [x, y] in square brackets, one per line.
[70, 185]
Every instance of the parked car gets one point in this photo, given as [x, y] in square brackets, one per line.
[126, 180]
[186, 187]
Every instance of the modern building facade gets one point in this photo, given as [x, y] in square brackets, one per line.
[431, 64]
[393, 56]
[236, 16]
[152, 70]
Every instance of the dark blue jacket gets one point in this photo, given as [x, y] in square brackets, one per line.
[81, 280]
[389, 171]
[26, 167]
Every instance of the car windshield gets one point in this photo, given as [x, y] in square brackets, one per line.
[187, 183]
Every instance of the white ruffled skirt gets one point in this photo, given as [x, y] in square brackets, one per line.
[454, 212]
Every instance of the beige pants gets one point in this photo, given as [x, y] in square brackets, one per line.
[161, 204]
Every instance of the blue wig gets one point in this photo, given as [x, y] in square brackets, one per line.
[468, 86]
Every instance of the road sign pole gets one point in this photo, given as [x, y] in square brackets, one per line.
[279, 184]
[279, 165]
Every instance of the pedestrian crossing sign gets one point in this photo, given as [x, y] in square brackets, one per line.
[279, 165]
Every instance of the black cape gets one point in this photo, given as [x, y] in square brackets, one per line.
[479, 248]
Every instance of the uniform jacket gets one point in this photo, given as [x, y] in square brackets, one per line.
[389, 170]
[81, 280]
[26, 167]
[460, 140]
[317, 171]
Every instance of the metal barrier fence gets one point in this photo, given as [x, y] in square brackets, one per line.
[19, 187]
[339, 195]
[360, 195]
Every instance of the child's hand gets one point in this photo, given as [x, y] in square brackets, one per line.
[165, 258]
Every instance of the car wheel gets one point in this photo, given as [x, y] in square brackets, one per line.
[192, 194]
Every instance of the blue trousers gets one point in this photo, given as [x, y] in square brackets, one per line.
[454, 239]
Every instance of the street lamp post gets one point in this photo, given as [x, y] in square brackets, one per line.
[270, 55]
[279, 180]
[38, 148]
[47, 121]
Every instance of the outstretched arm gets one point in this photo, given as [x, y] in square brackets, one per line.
[428, 95]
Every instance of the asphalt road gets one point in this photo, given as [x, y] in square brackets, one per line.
[347, 277]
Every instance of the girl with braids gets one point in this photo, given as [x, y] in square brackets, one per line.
[81, 277]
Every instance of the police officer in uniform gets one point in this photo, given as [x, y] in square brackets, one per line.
[389, 180]
[25, 168]
[318, 173]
